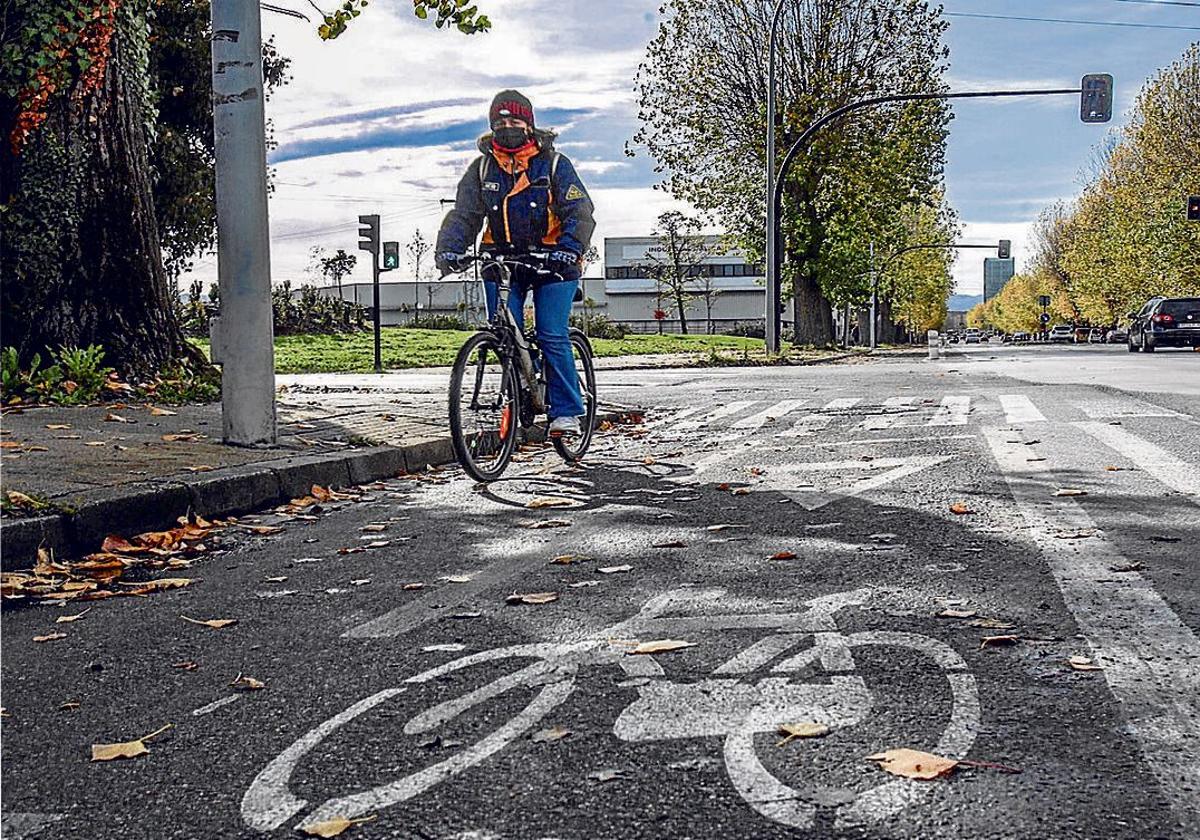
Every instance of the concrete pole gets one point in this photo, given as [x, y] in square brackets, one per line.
[243, 236]
[772, 330]
[874, 294]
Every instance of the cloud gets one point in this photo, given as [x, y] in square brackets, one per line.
[389, 111]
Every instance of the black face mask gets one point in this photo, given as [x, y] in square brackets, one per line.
[510, 138]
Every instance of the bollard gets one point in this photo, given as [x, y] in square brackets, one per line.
[932, 338]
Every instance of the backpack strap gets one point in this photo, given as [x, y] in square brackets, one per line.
[483, 162]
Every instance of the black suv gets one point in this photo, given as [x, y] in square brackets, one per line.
[1165, 322]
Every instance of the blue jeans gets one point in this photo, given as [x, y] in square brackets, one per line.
[552, 307]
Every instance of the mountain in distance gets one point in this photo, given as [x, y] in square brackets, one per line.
[963, 303]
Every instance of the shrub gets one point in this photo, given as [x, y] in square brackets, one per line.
[75, 377]
[746, 330]
[313, 312]
[443, 322]
[599, 326]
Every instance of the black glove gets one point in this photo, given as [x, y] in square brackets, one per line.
[449, 263]
[561, 259]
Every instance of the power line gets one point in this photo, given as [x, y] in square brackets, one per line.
[1077, 22]
[1162, 2]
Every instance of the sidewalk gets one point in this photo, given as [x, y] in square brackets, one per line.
[125, 469]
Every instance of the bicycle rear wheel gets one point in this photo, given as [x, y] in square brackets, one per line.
[572, 449]
[484, 397]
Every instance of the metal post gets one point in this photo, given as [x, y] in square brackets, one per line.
[772, 330]
[874, 294]
[243, 236]
[375, 307]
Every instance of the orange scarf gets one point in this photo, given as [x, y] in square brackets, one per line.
[513, 161]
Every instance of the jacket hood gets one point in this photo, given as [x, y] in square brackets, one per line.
[544, 138]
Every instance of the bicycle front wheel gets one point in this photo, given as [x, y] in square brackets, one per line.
[573, 449]
[484, 398]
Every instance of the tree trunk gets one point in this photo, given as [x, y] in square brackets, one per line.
[81, 261]
[682, 317]
[889, 331]
[812, 315]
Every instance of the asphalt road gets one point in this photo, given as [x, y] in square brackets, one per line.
[794, 526]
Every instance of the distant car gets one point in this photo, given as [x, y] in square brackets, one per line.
[1081, 334]
[972, 336]
[1117, 336]
[1061, 333]
[1095, 335]
[1165, 322]
[1021, 337]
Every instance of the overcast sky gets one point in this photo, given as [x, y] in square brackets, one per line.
[384, 119]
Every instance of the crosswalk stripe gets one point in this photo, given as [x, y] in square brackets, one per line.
[1170, 470]
[780, 409]
[716, 414]
[952, 411]
[1151, 659]
[1107, 408]
[893, 407]
[687, 412]
[811, 423]
[1018, 408]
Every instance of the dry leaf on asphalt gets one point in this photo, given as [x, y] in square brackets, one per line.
[660, 646]
[412, 587]
[991, 624]
[69, 706]
[532, 598]
[93, 443]
[117, 418]
[360, 582]
[783, 555]
[50, 637]
[581, 584]
[199, 468]
[792, 731]
[554, 733]
[550, 502]
[960, 509]
[247, 683]
[1080, 534]
[996, 641]
[374, 529]
[63, 619]
[215, 623]
[741, 491]
[567, 559]
[612, 570]
[155, 411]
[457, 578]
[722, 527]
[183, 437]
[546, 523]
[276, 579]
[263, 529]
[20, 499]
[914, 764]
[1070, 491]
[125, 749]
[956, 614]
[58, 427]
[1083, 663]
[186, 665]
[333, 827]
[159, 584]
[670, 544]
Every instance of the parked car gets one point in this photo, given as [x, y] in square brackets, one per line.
[1021, 337]
[1081, 334]
[1165, 322]
[972, 336]
[1117, 335]
[1064, 333]
[1095, 335]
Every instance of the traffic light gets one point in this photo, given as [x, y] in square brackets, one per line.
[391, 255]
[368, 236]
[1004, 249]
[1193, 208]
[1096, 98]
[1043, 301]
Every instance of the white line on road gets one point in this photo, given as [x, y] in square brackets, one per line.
[679, 415]
[216, 704]
[811, 423]
[715, 414]
[757, 421]
[894, 469]
[952, 412]
[892, 408]
[1018, 408]
[1151, 659]
[1171, 471]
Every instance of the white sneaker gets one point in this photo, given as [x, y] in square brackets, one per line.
[565, 427]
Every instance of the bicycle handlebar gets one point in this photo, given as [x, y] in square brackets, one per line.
[539, 267]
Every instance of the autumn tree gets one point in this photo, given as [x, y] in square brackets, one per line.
[703, 90]
[675, 261]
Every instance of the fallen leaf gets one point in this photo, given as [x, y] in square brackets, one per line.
[783, 555]
[10, 444]
[1070, 491]
[21, 500]
[159, 584]
[583, 583]
[724, 485]
[94, 443]
[914, 764]
[58, 427]
[63, 619]
[457, 578]
[960, 509]
[716, 528]
[333, 827]
[740, 491]
[606, 775]
[215, 623]
[412, 587]
[550, 502]
[186, 665]
[792, 731]
[554, 733]
[263, 529]
[1083, 663]
[155, 411]
[357, 549]
[1135, 566]
[547, 523]
[660, 646]
[247, 683]
[374, 529]
[612, 570]
[567, 559]
[69, 706]
[125, 749]
[957, 614]
[991, 624]
[1081, 534]
[360, 582]
[532, 598]
[50, 637]
[276, 579]
[466, 614]
[117, 418]
[199, 468]
[183, 437]
[670, 544]
[1111, 468]
[1007, 639]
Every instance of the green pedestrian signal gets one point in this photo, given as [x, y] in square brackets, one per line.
[1096, 98]
[391, 256]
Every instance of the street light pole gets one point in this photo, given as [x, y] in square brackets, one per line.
[874, 294]
[246, 336]
[774, 288]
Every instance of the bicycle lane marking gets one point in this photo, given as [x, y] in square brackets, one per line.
[1151, 659]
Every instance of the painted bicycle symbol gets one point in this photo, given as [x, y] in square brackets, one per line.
[729, 704]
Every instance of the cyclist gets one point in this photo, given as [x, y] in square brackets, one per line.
[532, 200]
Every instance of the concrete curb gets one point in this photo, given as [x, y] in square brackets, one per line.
[134, 508]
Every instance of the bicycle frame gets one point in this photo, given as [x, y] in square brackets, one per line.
[503, 318]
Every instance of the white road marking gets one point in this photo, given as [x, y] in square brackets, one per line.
[18, 825]
[1018, 408]
[1151, 659]
[952, 412]
[1107, 408]
[757, 421]
[893, 410]
[783, 479]
[714, 415]
[679, 415]
[216, 704]
[1170, 470]
[811, 423]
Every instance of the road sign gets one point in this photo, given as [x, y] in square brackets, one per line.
[391, 256]
[1095, 98]
[1193, 208]
[1044, 317]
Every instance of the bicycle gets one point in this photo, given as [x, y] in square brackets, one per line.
[730, 703]
[505, 385]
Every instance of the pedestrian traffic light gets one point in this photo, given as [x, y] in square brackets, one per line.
[391, 255]
[1004, 249]
[368, 236]
[1193, 208]
[1095, 98]
[1044, 317]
